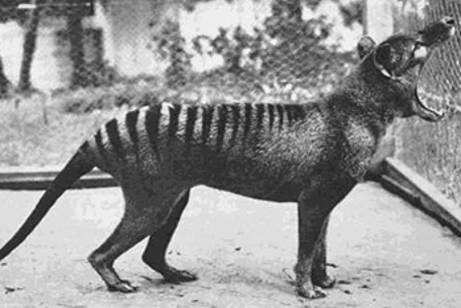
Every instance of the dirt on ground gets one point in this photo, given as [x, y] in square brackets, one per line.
[383, 253]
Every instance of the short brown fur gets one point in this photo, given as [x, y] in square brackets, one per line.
[312, 154]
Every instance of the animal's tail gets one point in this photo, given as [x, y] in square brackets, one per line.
[77, 166]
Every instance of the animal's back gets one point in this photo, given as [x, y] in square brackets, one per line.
[241, 147]
[312, 153]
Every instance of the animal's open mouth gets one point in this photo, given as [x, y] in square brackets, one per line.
[433, 35]
[422, 109]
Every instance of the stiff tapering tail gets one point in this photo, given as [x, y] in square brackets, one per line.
[75, 168]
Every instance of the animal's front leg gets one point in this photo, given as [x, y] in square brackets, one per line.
[314, 207]
[320, 276]
[310, 222]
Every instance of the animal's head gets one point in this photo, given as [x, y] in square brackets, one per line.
[399, 60]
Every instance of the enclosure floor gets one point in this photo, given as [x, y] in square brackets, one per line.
[383, 253]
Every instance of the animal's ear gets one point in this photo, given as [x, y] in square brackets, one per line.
[382, 59]
[365, 46]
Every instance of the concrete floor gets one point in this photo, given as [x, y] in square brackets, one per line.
[385, 254]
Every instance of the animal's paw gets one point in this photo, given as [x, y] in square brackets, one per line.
[310, 292]
[325, 281]
[176, 276]
[123, 286]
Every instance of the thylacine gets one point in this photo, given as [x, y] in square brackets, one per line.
[312, 154]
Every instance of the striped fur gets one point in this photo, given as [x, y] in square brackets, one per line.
[312, 154]
[189, 127]
[115, 140]
[151, 124]
[216, 128]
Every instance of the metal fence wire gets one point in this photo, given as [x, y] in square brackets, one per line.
[441, 81]
[95, 43]
[61, 44]
[92, 54]
[433, 149]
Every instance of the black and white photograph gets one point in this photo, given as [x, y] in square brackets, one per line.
[230, 153]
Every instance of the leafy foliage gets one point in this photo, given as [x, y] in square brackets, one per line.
[171, 45]
[287, 50]
[9, 10]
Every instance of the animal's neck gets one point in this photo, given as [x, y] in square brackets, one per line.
[374, 90]
[362, 100]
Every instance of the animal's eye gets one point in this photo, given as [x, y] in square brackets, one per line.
[418, 45]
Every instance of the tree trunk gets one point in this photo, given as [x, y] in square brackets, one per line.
[5, 84]
[30, 39]
[75, 33]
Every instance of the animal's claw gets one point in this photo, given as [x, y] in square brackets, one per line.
[326, 282]
[123, 286]
[309, 292]
[176, 276]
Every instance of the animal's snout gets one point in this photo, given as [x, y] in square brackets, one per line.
[449, 21]
[438, 32]
[451, 24]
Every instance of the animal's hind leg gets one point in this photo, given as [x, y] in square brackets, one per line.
[154, 255]
[144, 214]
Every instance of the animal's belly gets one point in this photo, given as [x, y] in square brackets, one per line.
[255, 178]
[263, 189]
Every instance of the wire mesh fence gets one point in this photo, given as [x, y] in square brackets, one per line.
[265, 47]
[443, 72]
[67, 63]
[97, 54]
[433, 149]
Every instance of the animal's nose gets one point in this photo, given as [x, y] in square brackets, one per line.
[449, 21]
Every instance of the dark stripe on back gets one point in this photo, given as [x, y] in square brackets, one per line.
[114, 138]
[260, 109]
[295, 113]
[222, 120]
[280, 114]
[290, 113]
[247, 123]
[173, 121]
[151, 123]
[235, 123]
[207, 118]
[270, 108]
[300, 112]
[84, 147]
[131, 121]
[190, 125]
[100, 145]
